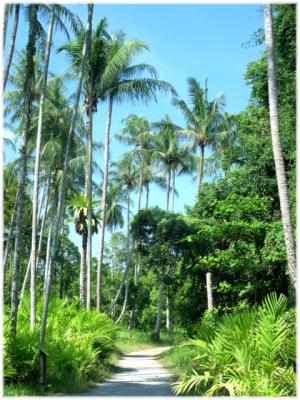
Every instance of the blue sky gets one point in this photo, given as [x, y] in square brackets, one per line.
[199, 40]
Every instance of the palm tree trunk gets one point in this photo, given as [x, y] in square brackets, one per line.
[61, 196]
[40, 242]
[200, 170]
[82, 278]
[128, 252]
[47, 256]
[89, 160]
[277, 151]
[168, 190]
[173, 188]
[37, 173]
[103, 206]
[9, 238]
[28, 85]
[6, 13]
[158, 315]
[209, 291]
[141, 183]
[147, 195]
[11, 45]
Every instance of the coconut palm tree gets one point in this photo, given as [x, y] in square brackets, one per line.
[136, 133]
[125, 173]
[78, 207]
[28, 97]
[277, 151]
[121, 82]
[61, 196]
[206, 125]
[55, 18]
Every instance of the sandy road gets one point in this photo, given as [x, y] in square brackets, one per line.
[139, 374]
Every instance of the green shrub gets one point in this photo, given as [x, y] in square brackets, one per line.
[78, 343]
[251, 354]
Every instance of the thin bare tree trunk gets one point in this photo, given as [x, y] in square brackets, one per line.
[209, 291]
[37, 174]
[158, 314]
[82, 277]
[141, 183]
[89, 163]
[200, 170]
[9, 238]
[11, 45]
[47, 256]
[40, 242]
[103, 205]
[277, 151]
[61, 197]
[168, 316]
[147, 195]
[168, 190]
[173, 188]
[128, 251]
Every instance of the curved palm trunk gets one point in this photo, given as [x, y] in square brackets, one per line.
[57, 218]
[89, 165]
[209, 291]
[173, 188]
[104, 193]
[6, 12]
[200, 170]
[11, 45]
[37, 173]
[128, 259]
[278, 157]
[30, 51]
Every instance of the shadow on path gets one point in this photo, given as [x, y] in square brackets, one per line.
[138, 374]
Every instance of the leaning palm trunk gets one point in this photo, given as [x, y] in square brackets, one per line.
[103, 206]
[278, 158]
[61, 196]
[36, 175]
[30, 51]
[209, 291]
[158, 315]
[128, 252]
[141, 181]
[89, 163]
[11, 45]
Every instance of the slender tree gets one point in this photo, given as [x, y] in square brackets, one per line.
[120, 82]
[12, 43]
[207, 126]
[277, 151]
[57, 219]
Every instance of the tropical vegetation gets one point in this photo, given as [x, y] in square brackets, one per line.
[216, 282]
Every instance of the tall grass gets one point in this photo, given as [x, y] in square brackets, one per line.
[249, 354]
[78, 343]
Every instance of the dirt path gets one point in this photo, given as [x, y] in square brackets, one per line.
[139, 374]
